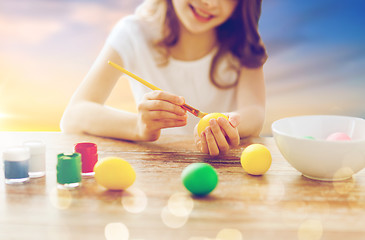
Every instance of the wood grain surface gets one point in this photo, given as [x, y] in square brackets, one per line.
[282, 204]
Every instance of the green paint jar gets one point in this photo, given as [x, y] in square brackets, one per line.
[68, 170]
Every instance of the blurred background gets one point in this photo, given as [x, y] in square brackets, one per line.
[316, 59]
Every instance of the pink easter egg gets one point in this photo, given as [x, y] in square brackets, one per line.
[338, 136]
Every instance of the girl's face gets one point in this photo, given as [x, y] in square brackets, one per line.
[199, 16]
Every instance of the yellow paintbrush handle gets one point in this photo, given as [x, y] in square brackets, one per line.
[144, 82]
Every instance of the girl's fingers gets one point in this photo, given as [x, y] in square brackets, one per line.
[170, 123]
[197, 139]
[165, 123]
[220, 139]
[162, 115]
[234, 119]
[160, 110]
[165, 96]
[231, 132]
[162, 101]
[212, 145]
[158, 105]
[204, 145]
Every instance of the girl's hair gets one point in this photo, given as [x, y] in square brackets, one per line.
[238, 37]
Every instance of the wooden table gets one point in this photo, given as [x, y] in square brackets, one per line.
[282, 204]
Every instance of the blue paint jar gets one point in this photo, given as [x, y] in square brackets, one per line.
[16, 165]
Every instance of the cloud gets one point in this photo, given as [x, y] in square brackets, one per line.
[302, 70]
[96, 15]
[34, 22]
[27, 30]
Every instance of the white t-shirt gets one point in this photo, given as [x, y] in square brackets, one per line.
[132, 38]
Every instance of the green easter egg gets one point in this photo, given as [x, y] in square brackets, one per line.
[199, 178]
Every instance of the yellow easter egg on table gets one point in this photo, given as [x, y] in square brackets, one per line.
[204, 122]
[114, 173]
[256, 159]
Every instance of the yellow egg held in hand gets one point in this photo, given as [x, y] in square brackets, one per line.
[256, 159]
[114, 173]
[204, 122]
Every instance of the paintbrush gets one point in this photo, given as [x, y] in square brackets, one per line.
[187, 107]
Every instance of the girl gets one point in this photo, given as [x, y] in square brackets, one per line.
[207, 52]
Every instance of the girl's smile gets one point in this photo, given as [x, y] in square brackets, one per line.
[200, 14]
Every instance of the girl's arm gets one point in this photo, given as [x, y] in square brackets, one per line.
[246, 121]
[251, 98]
[86, 112]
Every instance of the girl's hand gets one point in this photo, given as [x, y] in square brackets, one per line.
[220, 136]
[159, 110]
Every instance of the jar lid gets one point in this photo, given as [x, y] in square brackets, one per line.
[35, 146]
[18, 153]
[87, 148]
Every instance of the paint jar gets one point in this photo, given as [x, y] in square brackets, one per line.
[89, 157]
[68, 170]
[37, 161]
[16, 165]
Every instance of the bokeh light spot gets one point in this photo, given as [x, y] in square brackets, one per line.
[171, 220]
[343, 173]
[229, 234]
[344, 187]
[134, 200]
[116, 231]
[311, 229]
[180, 204]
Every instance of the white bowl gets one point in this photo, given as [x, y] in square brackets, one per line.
[321, 159]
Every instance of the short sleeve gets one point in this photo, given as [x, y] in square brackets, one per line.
[120, 39]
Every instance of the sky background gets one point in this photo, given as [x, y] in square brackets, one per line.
[316, 59]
